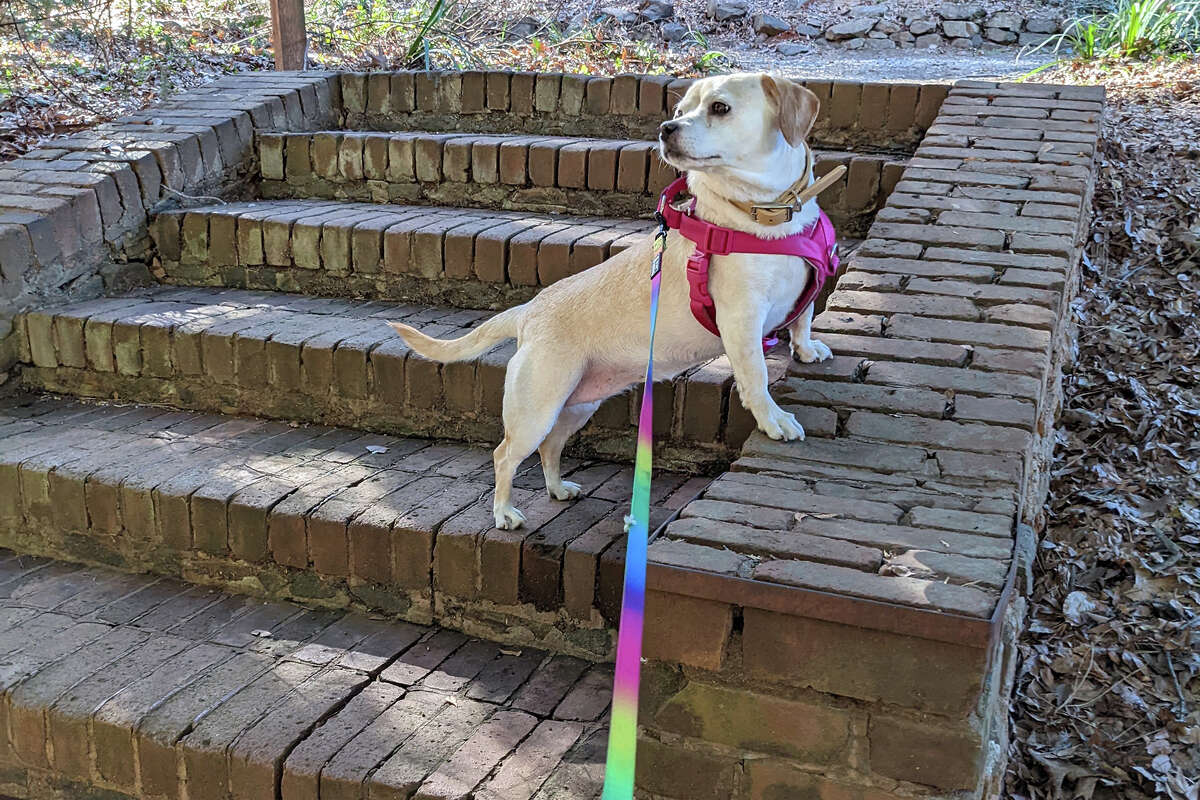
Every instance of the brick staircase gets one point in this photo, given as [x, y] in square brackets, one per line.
[231, 414]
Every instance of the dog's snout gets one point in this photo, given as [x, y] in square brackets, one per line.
[667, 128]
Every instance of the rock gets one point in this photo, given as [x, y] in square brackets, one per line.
[904, 45]
[791, 49]
[876, 35]
[928, 40]
[962, 44]
[673, 31]
[878, 44]
[956, 29]
[769, 24]
[1006, 20]
[526, 27]
[903, 37]
[920, 27]
[1041, 25]
[721, 10]
[859, 26]
[657, 10]
[887, 26]
[1032, 39]
[960, 11]
[811, 31]
[620, 16]
[1000, 35]
[869, 11]
[856, 44]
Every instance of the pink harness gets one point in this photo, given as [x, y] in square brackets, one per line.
[817, 245]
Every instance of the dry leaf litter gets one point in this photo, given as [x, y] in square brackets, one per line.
[1105, 702]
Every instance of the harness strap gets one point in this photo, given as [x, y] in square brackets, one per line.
[817, 245]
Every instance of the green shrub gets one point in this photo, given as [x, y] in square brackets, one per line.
[1130, 29]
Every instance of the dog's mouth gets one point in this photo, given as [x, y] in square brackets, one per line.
[681, 160]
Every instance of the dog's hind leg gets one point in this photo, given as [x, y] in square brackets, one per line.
[536, 387]
[570, 420]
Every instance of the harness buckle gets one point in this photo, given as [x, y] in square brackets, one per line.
[718, 241]
[771, 213]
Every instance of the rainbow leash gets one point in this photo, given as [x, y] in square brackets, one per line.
[622, 732]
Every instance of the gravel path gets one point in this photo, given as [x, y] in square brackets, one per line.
[836, 63]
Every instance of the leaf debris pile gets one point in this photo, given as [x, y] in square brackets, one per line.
[1105, 703]
[66, 64]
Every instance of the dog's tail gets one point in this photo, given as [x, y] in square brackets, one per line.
[485, 337]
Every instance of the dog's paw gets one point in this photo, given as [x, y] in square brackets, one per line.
[566, 490]
[810, 351]
[780, 425]
[509, 518]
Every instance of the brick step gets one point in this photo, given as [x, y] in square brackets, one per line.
[120, 685]
[854, 115]
[470, 258]
[336, 362]
[329, 515]
[563, 174]
[467, 258]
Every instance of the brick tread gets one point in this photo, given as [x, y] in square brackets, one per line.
[310, 510]
[331, 361]
[154, 706]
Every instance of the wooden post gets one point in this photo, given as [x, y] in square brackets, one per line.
[287, 34]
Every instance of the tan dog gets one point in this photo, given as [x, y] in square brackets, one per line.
[585, 338]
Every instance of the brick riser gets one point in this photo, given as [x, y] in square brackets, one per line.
[118, 685]
[420, 254]
[616, 178]
[466, 258]
[338, 363]
[859, 116]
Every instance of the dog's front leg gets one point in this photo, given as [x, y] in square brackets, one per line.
[805, 348]
[743, 345]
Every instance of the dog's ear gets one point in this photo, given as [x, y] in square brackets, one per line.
[795, 106]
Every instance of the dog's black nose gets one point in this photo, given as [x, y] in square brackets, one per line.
[667, 128]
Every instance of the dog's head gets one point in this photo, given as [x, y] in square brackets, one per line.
[737, 124]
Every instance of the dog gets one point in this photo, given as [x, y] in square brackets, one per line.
[740, 139]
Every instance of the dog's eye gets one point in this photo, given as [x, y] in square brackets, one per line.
[719, 108]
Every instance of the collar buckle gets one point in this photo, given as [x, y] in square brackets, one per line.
[771, 213]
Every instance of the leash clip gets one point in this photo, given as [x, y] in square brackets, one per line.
[660, 243]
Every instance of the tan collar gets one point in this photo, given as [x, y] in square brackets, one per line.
[793, 198]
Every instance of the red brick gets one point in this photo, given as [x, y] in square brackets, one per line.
[472, 762]
[528, 767]
[861, 663]
[761, 722]
[498, 90]
[671, 771]
[549, 685]
[926, 752]
[687, 630]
